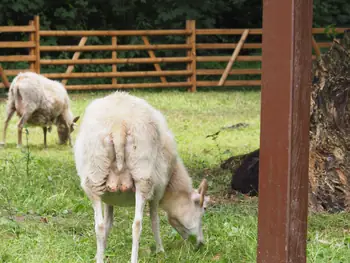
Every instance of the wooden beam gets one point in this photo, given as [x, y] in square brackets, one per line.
[227, 58]
[191, 40]
[32, 50]
[112, 48]
[12, 29]
[14, 72]
[233, 57]
[17, 58]
[152, 55]
[252, 71]
[156, 32]
[284, 141]
[232, 83]
[192, 25]
[127, 86]
[75, 57]
[227, 45]
[128, 74]
[113, 61]
[37, 44]
[17, 44]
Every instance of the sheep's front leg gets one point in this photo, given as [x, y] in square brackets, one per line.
[137, 224]
[155, 225]
[100, 229]
[10, 113]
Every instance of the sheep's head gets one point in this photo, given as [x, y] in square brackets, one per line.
[186, 216]
[63, 130]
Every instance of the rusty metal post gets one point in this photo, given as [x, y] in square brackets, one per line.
[284, 144]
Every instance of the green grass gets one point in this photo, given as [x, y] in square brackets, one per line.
[46, 217]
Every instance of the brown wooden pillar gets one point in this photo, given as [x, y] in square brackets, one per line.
[284, 145]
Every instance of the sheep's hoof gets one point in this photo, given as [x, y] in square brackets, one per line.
[200, 244]
[98, 259]
[160, 250]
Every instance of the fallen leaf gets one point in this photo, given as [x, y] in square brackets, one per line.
[44, 220]
[216, 257]
[19, 218]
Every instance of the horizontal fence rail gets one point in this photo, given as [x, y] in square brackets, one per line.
[189, 66]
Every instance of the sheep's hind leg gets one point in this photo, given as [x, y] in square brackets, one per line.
[10, 113]
[137, 224]
[100, 229]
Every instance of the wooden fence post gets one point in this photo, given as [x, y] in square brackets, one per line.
[32, 49]
[37, 44]
[191, 39]
[284, 137]
[114, 57]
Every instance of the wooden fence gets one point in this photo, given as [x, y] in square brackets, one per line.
[191, 72]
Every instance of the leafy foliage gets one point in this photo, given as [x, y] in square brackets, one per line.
[331, 12]
[146, 14]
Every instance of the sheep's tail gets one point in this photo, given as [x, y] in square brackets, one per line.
[119, 142]
[14, 94]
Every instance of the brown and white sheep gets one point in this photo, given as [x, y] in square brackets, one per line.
[39, 101]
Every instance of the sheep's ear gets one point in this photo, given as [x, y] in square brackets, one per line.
[202, 190]
[76, 119]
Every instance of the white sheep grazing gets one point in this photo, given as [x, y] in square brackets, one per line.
[150, 154]
[39, 101]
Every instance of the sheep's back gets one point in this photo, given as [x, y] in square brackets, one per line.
[45, 97]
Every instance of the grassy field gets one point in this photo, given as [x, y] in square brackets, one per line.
[46, 217]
